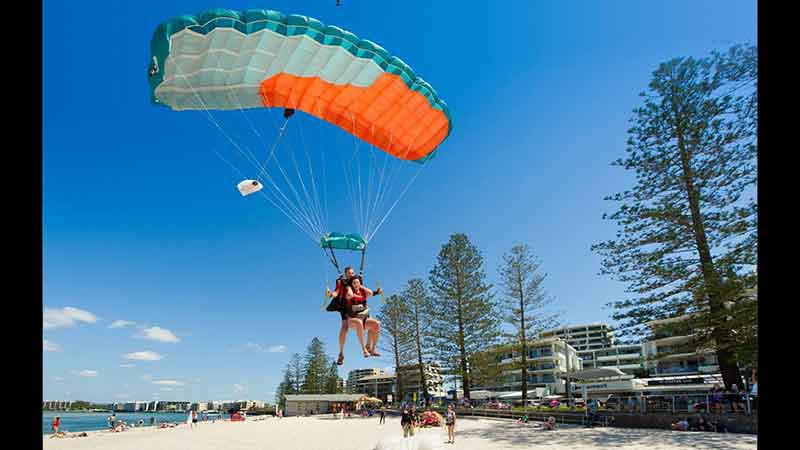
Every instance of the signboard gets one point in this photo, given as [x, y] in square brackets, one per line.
[679, 381]
[622, 385]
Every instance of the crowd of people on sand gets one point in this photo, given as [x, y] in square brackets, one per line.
[699, 423]
[547, 425]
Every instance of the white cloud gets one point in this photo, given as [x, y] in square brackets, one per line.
[50, 346]
[121, 324]
[254, 347]
[238, 388]
[128, 366]
[122, 396]
[166, 389]
[146, 377]
[277, 349]
[157, 334]
[143, 356]
[57, 378]
[169, 382]
[66, 317]
[87, 373]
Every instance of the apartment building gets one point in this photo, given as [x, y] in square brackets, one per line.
[548, 360]
[354, 375]
[411, 383]
[669, 350]
[597, 346]
[380, 386]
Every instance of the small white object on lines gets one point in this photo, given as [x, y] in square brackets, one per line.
[248, 187]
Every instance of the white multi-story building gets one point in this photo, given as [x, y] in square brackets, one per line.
[548, 361]
[356, 374]
[597, 346]
[380, 386]
[669, 350]
[411, 383]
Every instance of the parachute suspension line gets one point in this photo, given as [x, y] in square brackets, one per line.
[371, 174]
[263, 168]
[368, 238]
[332, 257]
[402, 194]
[281, 209]
[304, 207]
[363, 257]
[213, 120]
[311, 203]
[321, 211]
[358, 170]
[383, 186]
[351, 189]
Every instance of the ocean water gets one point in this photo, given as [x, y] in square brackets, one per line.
[92, 421]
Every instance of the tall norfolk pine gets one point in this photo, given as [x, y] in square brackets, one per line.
[465, 321]
[397, 340]
[523, 300]
[420, 306]
[687, 229]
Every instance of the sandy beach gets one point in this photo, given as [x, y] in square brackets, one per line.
[356, 433]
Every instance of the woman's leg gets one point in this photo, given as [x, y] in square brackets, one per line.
[374, 330]
[342, 338]
[356, 324]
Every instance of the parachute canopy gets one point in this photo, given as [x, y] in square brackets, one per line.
[223, 59]
[342, 241]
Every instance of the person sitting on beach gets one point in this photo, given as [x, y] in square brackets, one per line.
[549, 424]
[358, 316]
[681, 425]
[164, 424]
[523, 419]
[703, 425]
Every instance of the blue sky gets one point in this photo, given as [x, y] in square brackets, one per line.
[142, 222]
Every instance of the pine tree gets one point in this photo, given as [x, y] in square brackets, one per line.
[416, 297]
[465, 321]
[332, 385]
[297, 371]
[317, 368]
[396, 336]
[524, 300]
[690, 221]
[286, 387]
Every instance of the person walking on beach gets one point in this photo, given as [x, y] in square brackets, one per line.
[383, 415]
[407, 422]
[111, 421]
[56, 424]
[152, 420]
[450, 421]
[194, 418]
